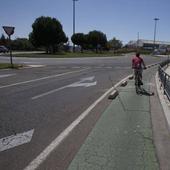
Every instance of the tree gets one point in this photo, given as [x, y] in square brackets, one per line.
[3, 40]
[79, 39]
[47, 32]
[22, 44]
[97, 39]
[115, 44]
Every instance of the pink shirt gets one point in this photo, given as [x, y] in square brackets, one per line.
[137, 62]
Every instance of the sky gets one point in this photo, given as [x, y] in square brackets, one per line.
[122, 19]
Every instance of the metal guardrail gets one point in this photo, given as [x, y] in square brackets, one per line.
[165, 78]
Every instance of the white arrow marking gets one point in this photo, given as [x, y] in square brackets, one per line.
[76, 84]
[15, 140]
[6, 75]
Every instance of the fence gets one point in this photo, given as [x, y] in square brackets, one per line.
[165, 78]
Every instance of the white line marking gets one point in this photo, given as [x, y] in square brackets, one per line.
[6, 75]
[15, 140]
[76, 84]
[56, 142]
[88, 78]
[36, 66]
[49, 92]
[43, 78]
[83, 84]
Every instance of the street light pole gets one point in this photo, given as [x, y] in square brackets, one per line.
[156, 19]
[138, 40]
[74, 11]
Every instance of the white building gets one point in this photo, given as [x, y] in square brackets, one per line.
[149, 44]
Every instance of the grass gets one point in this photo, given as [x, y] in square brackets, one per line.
[69, 55]
[6, 66]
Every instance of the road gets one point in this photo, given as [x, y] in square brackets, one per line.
[39, 103]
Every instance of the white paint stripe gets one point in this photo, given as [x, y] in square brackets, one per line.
[88, 78]
[77, 84]
[49, 92]
[56, 142]
[36, 66]
[15, 140]
[43, 78]
[83, 84]
[6, 75]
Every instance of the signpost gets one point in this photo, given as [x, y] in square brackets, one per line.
[9, 31]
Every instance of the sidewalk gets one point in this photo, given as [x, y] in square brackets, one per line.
[122, 138]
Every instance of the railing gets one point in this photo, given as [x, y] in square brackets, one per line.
[165, 78]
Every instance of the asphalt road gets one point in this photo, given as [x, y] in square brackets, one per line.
[38, 103]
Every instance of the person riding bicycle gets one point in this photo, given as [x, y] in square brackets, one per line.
[137, 63]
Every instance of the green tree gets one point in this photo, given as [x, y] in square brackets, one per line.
[97, 40]
[47, 32]
[115, 44]
[79, 39]
[3, 40]
[22, 44]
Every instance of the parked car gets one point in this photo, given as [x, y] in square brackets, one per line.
[3, 49]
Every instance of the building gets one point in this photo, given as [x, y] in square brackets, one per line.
[149, 44]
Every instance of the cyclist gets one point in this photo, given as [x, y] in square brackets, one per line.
[137, 63]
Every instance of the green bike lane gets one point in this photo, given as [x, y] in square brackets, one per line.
[122, 139]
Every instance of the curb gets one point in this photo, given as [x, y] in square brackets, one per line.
[162, 100]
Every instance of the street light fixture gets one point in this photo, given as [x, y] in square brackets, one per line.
[74, 21]
[156, 19]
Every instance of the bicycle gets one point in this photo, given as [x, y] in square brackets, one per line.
[138, 79]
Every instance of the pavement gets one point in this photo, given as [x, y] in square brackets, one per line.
[132, 133]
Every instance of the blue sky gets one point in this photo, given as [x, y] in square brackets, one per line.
[122, 19]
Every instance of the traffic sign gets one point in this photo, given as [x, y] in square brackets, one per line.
[9, 30]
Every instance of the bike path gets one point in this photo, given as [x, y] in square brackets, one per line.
[122, 138]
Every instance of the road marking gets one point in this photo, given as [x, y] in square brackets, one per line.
[6, 75]
[43, 78]
[15, 140]
[88, 78]
[78, 84]
[47, 93]
[56, 142]
[81, 83]
[36, 66]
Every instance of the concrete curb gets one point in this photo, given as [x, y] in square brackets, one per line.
[163, 100]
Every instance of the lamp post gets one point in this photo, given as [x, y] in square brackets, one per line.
[137, 40]
[156, 19]
[74, 11]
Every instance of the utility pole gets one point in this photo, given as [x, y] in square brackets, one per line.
[74, 18]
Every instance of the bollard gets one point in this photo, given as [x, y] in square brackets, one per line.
[113, 95]
[130, 77]
[124, 83]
